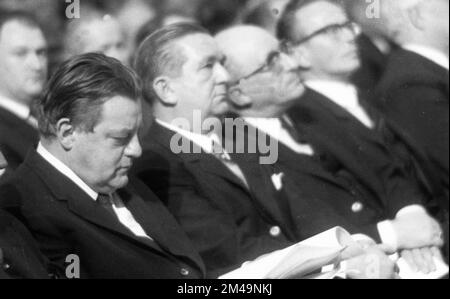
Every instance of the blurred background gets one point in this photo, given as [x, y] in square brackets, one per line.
[138, 18]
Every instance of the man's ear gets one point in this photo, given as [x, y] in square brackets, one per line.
[415, 16]
[238, 98]
[163, 87]
[65, 132]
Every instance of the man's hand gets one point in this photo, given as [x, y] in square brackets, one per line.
[417, 230]
[373, 264]
[422, 260]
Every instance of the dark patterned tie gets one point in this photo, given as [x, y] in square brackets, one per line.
[105, 201]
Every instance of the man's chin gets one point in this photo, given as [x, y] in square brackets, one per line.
[118, 183]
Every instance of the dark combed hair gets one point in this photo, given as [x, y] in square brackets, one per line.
[23, 17]
[157, 55]
[79, 88]
[287, 25]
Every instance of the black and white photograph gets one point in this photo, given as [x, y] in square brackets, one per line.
[233, 143]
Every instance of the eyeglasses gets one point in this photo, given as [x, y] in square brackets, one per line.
[331, 30]
[271, 62]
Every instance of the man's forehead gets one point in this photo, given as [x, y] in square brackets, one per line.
[200, 46]
[318, 15]
[248, 48]
[18, 33]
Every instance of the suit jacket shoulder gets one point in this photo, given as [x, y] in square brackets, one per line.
[218, 212]
[16, 138]
[67, 221]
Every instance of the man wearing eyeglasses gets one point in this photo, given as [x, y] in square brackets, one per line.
[339, 122]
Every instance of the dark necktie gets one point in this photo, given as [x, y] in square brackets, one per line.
[105, 201]
[219, 152]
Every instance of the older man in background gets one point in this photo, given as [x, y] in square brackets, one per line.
[96, 32]
[414, 90]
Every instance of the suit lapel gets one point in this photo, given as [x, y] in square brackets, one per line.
[207, 162]
[159, 224]
[339, 112]
[78, 201]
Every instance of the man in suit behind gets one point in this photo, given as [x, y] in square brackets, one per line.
[414, 90]
[228, 214]
[209, 195]
[23, 72]
[19, 253]
[74, 190]
[314, 198]
[340, 124]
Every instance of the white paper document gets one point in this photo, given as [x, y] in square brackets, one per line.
[298, 261]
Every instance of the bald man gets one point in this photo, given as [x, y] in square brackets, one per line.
[96, 32]
[264, 87]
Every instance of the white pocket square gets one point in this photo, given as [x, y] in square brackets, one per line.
[277, 180]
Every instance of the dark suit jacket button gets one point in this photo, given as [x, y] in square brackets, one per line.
[184, 272]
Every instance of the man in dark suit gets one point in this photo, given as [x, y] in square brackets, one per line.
[338, 122]
[231, 216]
[73, 189]
[23, 72]
[208, 194]
[19, 253]
[312, 198]
[414, 90]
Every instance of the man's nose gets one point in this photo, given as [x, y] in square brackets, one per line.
[288, 63]
[37, 62]
[350, 34]
[222, 75]
[134, 149]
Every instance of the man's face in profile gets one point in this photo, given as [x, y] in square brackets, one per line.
[3, 164]
[103, 157]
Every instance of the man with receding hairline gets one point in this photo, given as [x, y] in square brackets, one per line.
[216, 204]
[74, 190]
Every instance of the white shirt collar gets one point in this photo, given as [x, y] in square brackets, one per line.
[429, 53]
[274, 128]
[61, 167]
[20, 110]
[344, 95]
[204, 141]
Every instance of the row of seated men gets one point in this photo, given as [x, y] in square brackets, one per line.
[175, 200]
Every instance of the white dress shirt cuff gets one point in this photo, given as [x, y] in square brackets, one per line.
[388, 235]
[386, 229]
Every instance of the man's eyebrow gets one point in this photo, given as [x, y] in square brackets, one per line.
[124, 131]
